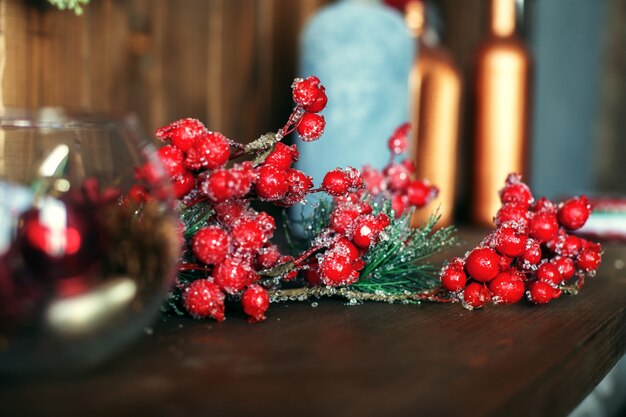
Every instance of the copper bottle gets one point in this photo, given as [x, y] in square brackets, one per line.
[502, 86]
[435, 92]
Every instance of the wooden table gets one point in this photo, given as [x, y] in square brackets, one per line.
[365, 360]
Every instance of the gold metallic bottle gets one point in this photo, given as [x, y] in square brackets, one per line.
[502, 87]
[435, 92]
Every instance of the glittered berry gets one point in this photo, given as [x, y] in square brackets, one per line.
[172, 159]
[311, 127]
[182, 184]
[210, 245]
[475, 296]
[137, 194]
[398, 141]
[309, 93]
[202, 299]
[453, 279]
[248, 236]
[588, 260]
[266, 223]
[543, 226]
[532, 255]
[282, 156]
[399, 203]
[509, 242]
[540, 292]
[210, 150]
[365, 231]
[374, 180]
[230, 211]
[566, 267]
[299, 185]
[482, 264]
[336, 182]
[515, 191]
[255, 302]
[268, 256]
[219, 185]
[507, 288]
[336, 270]
[342, 218]
[512, 213]
[399, 177]
[570, 246]
[574, 213]
[419, 193]
[345, 247]
[181, 133]
[232, 275]
[549, 273]
[271, 183]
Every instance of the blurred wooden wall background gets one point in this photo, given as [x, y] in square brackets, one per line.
[229, 63]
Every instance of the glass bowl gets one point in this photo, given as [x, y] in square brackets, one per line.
[87, 251]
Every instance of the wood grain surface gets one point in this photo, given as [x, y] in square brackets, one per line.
[365, 360]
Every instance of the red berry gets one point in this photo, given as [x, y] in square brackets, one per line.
[507, 288]
[210, 150]
[282, 156]
[475, 296]
[210, 245]
[549, 273]
[399, 177]
[336, 182]
[509, 242]
[336, 270]
[183, 184]
[365, 231]
[397, 143]
[570, 246]
[399, 204]
[565, 266]
[220, 185]
[248, 236]
[172, 159]
[230, 211]
[268, 257]
[374, 180]
[419, 193]
[311, 127]
[574, 213]
[266, 223]
[482, 264]
[137, 193]
[202, 299]
[312, 277]
[543, 226]
[512, 213]
[345, 247]
[342, 218]
[272, 183]
[532, 255]
[540, 292]
[232, 275]
[588, 260]
[515, 191]
[453, 278]
[255, 302]
[182, 133]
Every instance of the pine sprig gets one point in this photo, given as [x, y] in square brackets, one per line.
[75, 5]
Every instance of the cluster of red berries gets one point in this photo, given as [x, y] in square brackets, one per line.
[532, 252]
[233, 245]
[395, 181]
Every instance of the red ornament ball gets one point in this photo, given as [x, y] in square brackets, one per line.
[255, 302]
[202, 299]
[482, 264]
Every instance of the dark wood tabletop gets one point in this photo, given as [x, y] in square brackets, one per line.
[373, 359]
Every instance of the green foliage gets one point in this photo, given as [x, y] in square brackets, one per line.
[75, 5]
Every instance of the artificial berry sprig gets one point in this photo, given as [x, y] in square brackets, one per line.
[532, 252]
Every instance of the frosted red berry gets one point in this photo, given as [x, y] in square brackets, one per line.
[336, 182]
[482, 264]
[570, 246]
[248, 236]
[475, 296]
[398, 141]
[543, 226]
[512, 213]
[282, 156]
[219, 186]
[210, 150]
[453, 279]
[181, 133]
[419, 193]
[588, 260]
[309, 94]
[335, 269]
[255, 301]
[549, 273]
[345, 247]
[399, 177]
[510, 242]
[566, 266]
[232, 275]
[203, 299]
[271, 183]
[172, 160]
[516, 193]
[532, 255]
[210, 245]
[182, 184]
[311, 127]
[540, 292]
[365, 231]
[574, 213]
[507, 288]
[342, 218]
